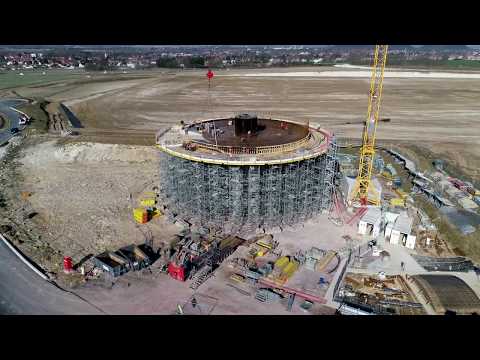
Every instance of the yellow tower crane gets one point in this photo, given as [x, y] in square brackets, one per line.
[363, 187]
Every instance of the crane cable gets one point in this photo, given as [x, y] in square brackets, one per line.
[210, 76]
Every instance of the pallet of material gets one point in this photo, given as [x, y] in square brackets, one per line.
[278, 267]
[322, 263]
[354, 282]
[231, 241]
[289, 270]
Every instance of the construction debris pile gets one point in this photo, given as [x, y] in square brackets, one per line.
[385, 295]
[195, 256]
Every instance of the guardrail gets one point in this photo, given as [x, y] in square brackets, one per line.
[24, 259]
[20, 112]
[238, 150]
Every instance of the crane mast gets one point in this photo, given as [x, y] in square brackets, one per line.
[367, 151]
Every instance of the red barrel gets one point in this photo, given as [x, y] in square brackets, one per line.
[67, 264]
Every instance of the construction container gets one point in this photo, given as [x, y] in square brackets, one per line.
[148, 202]
[140, 215]
[111, 263]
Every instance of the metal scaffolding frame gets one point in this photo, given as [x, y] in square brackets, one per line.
[329, 174]
[247, 198]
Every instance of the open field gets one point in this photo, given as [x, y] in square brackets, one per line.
[437, 110]
[13, 79]
[434, 113]
[54, 79]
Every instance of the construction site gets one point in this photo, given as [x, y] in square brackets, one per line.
[238, 211]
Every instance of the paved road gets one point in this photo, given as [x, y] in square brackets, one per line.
[13, 116]
[24, 292]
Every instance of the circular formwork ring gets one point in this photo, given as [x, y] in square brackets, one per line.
[327, 137]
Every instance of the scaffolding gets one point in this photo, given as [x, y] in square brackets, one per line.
[330, 171]
[247, 199]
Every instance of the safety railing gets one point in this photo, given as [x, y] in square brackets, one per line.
[238, 150]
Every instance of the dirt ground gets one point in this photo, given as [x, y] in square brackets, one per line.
[439, 114]
[80, 194]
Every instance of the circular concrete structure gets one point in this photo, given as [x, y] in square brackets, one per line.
[245, 172]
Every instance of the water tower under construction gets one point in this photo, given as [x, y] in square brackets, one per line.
[245, 173]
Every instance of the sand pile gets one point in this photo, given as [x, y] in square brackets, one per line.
[87, 152]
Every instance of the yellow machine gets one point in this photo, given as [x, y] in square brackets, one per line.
[397, 202]
[367, 151]
[148, 202]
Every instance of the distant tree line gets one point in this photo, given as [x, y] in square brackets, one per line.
[186, 62]
[102, 65]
